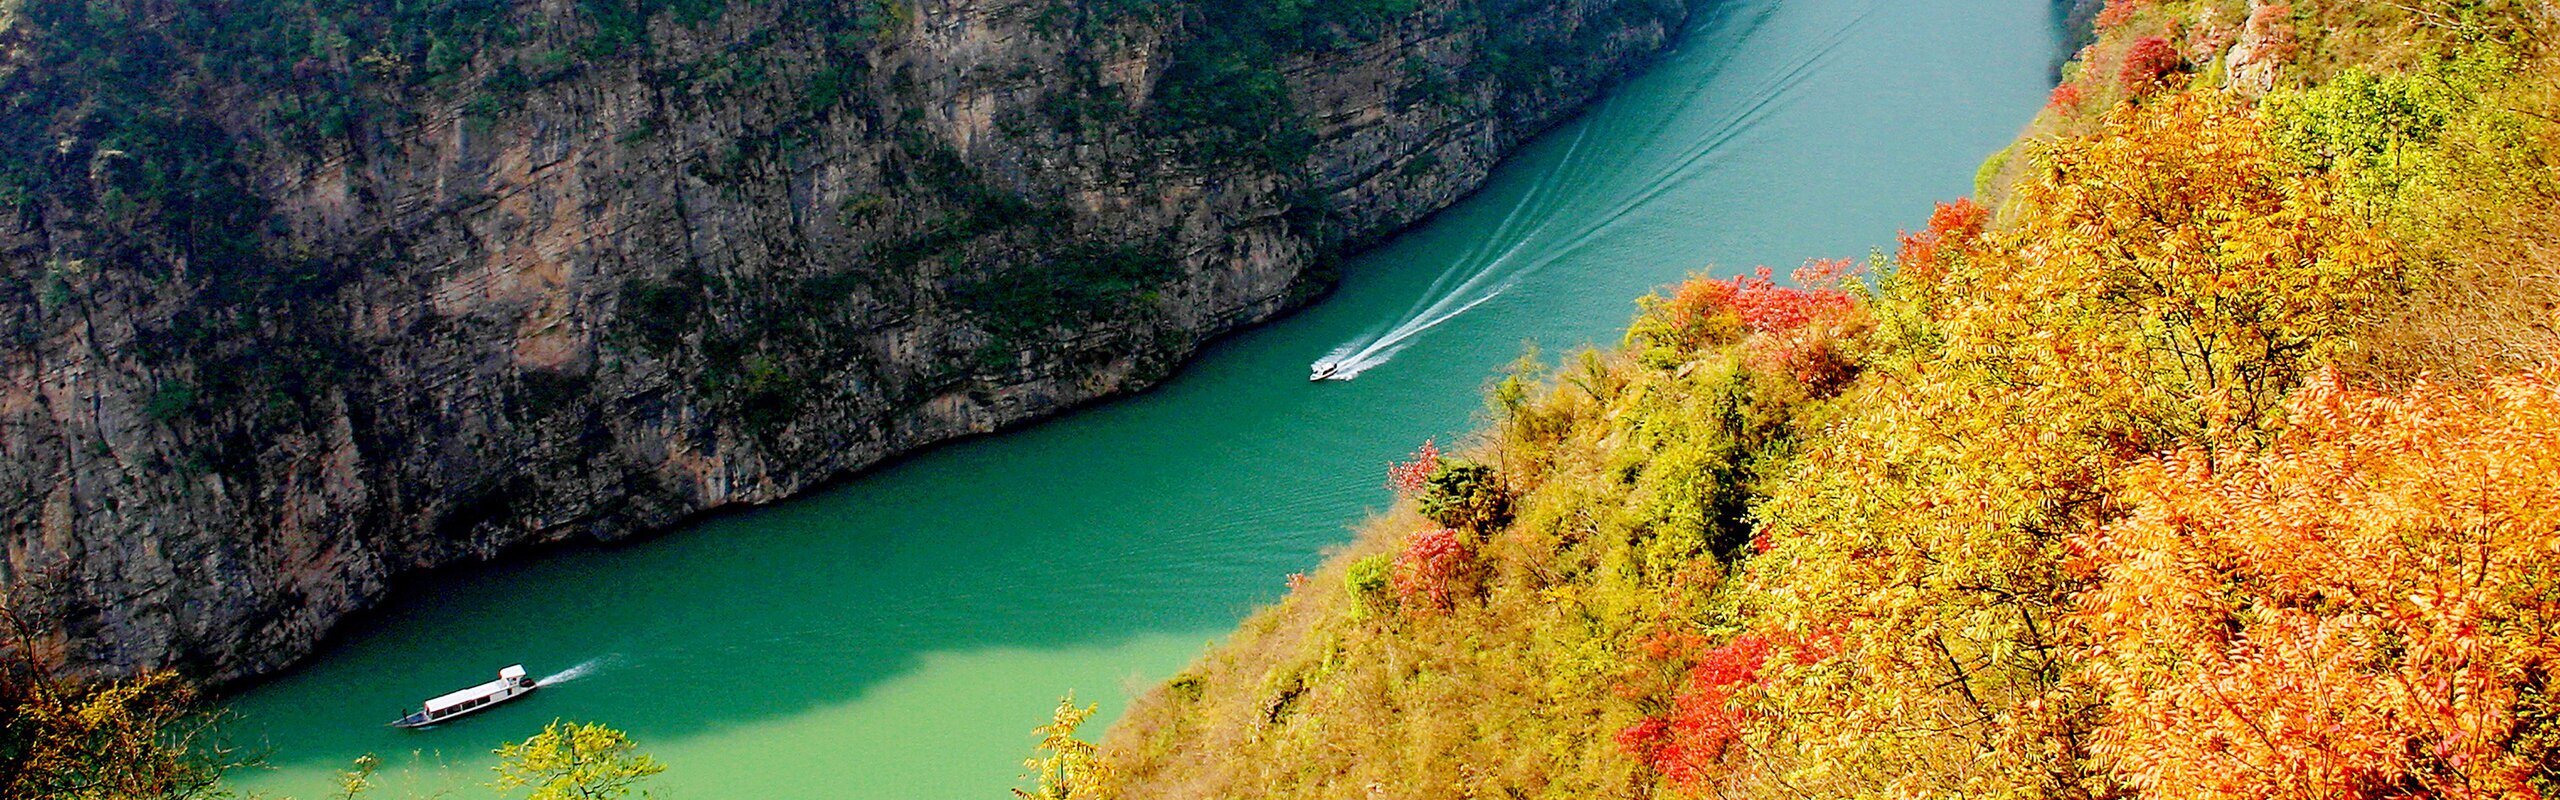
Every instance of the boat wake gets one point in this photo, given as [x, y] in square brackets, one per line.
[1358, 355]
[1484, 274]
[581, 670]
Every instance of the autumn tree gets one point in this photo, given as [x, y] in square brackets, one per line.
[2160, 283]
[2367, 606]
[143, 737]
[1687, 744]
[2066, 98]
[574, 761]
[1953, 227]
[1408, 476]
[2146, 63]
[2118, 12]
[1432, 560]
[1068, 768]
[149, 736]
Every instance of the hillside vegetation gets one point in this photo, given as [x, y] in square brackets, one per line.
[2212, 452]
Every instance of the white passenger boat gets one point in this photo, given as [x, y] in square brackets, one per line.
[1324, 370]
[511, 684]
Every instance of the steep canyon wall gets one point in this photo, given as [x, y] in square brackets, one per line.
[287, 318]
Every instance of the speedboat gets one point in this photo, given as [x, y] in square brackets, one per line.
[1324, 370]
[512, 683]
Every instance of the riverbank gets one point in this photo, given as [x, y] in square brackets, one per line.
[2211, 459]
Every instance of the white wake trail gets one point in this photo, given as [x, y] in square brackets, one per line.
[1349, 359]
[580, 670]
[1350, 364]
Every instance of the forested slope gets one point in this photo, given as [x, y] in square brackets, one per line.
[2210, 452]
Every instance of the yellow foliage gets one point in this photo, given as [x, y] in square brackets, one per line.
[574, 761]
[130, 739]
[2160, 281]
[1071, 770]
[2064, 522]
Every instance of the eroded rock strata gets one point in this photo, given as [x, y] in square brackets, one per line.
[285, 321]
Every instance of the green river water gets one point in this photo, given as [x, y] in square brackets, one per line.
[897, 636]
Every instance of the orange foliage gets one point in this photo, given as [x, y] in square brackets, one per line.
[2148, 61]
[1698, 315]
[2360, 609]
[2173, 245]
[1808, 334]
[1804, 333]
[2118, 12]
[1685, 745]
[2162, 281]
[1769, 308]
[2065, 99]
[1953, 227]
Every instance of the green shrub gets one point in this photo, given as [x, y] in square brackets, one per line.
[1466, 496]
[1083, 281]
[1187, 686]
[1368, 581]
[169, 402]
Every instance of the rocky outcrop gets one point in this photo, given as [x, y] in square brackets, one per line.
[2265, 41]
[269, 348]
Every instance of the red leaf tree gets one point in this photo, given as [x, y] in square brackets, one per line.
[1430, 562]
[1705, 719]
[1952, 228]
[1406, 477]
[2150, 59]
[2118, 12]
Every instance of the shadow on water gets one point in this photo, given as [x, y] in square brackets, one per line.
[2074, 23]
[898, 635]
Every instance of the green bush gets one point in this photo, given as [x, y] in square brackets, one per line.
[1368, 581]
[1083, 281]
[1465, 496]
[169, 402]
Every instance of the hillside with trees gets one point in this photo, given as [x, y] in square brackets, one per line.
[2208, 452]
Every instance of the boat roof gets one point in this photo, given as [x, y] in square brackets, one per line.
[456, 698]
[482, 690]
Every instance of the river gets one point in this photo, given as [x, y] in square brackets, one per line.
[897, 636]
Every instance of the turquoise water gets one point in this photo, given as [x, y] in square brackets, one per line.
[899, 635]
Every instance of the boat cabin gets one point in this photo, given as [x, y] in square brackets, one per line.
[512, 683]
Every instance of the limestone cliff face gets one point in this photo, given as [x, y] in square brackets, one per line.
[569, 286]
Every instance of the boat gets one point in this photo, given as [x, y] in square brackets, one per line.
[512, 683]
[1325, 370]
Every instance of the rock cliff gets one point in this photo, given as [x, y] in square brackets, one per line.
[300, 296]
